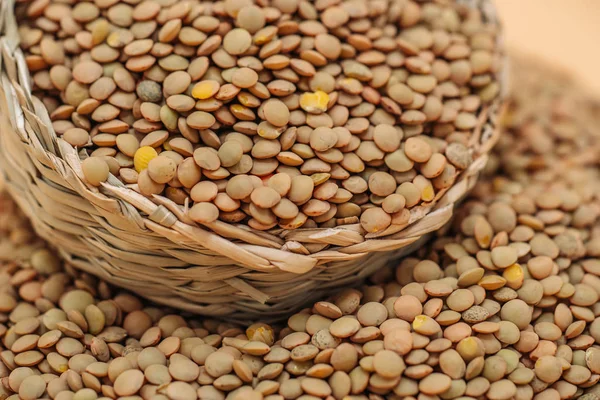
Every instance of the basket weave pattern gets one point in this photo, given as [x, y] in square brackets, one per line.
[149, 245]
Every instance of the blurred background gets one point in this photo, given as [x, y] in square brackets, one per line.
[565, 32]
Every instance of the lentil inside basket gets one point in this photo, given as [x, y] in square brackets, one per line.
[281, 114]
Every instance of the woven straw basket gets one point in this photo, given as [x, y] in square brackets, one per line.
[149, 246]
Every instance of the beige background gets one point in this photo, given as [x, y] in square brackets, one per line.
[565, 32]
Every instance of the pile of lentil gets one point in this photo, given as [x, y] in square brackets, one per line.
[503, 304]
[288, 113]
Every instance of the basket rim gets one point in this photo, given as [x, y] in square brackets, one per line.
[263, 251]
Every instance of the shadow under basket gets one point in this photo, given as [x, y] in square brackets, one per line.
[149, 245]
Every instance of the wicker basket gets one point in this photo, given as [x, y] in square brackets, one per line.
[149, 245]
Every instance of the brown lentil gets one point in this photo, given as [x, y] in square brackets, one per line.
[497, 306]
[354, 87]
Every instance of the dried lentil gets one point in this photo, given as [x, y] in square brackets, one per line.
[369, 86]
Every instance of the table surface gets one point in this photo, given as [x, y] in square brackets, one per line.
[564, 32]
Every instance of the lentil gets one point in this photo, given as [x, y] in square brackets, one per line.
[470, 314]
[354, 87]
